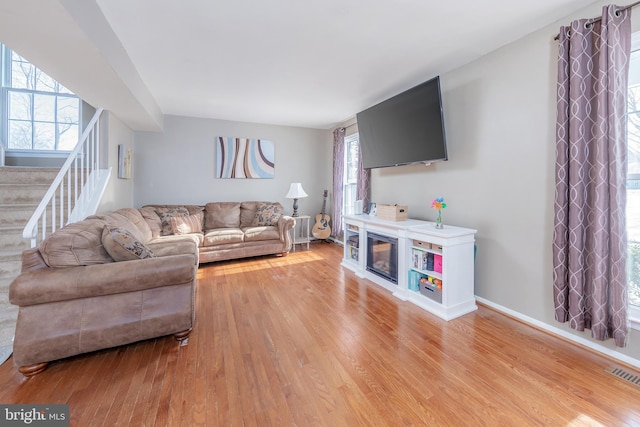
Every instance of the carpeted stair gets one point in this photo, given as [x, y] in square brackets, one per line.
[21, 189]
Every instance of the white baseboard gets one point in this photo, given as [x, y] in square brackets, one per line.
[562, 333]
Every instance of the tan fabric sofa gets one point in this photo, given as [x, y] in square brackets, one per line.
[125, 276]
[229, 229]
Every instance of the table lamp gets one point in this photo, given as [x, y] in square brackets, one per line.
[296, 192]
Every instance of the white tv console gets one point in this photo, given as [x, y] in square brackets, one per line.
[454, 294]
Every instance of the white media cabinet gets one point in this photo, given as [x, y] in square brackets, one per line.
[454, 246]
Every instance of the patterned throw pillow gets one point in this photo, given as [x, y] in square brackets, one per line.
[166, 214]
[121, 245]
[267, 214]
[187, 224]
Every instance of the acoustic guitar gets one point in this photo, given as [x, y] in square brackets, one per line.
[321, 229]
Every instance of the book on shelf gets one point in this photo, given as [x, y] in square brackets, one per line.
[429, 262]
[437, 263]
[416, 258]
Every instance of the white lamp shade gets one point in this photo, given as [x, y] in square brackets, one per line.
[296, 191]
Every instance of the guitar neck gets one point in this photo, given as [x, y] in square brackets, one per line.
[324, 202]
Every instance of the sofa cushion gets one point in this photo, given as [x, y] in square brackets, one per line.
[197, 238]
[252, 234]
[248, 213]
[32, 260]
[221, 236]
[166, 214]
[76, 244]
[192, 209]
[130, 219]
[169, 247]
[187, 224]
[122, 245]
[222, 215]
[267, 214]
[152, 219]
[136, 218]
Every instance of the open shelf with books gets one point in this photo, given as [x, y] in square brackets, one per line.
[352, 243]
[441, 273]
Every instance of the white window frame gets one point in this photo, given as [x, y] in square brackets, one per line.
[5, 90]
[347, 185]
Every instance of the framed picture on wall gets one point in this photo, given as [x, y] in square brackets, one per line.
[124, 162]
[244, 158]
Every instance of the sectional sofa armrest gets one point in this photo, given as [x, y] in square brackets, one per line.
[68, 283]
[286, 224]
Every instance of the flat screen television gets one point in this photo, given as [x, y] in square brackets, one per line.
[407, 128]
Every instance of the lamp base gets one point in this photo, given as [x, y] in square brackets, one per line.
[295, 208]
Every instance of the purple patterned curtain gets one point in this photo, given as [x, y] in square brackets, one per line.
[338, 184]
[589, 241]
[364, 178]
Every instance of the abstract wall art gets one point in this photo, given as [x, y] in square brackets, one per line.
[244, 158]
[124, 162]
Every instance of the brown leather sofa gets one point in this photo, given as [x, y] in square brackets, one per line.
[130, 275]
[228, 230]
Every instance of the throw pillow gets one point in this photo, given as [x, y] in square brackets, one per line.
[187, 224]
[222, 215]
[121, 245]
[267, 214]
[166, 214]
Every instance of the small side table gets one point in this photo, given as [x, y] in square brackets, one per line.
[303, 237]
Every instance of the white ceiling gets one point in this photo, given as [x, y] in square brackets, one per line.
[308, 63]
[286, 62]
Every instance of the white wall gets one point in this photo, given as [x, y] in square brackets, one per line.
[178, 165]
[500, 125]
[119, 192]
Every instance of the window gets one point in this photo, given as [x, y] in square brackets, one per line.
[350, 181]
[633, 182]
[38, 113]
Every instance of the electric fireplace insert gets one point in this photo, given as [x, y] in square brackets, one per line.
[382, 256]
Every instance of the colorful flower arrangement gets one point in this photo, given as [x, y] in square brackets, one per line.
[439, 204]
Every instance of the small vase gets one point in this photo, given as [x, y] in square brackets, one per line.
[439, 220]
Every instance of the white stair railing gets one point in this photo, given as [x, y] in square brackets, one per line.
[75, 192]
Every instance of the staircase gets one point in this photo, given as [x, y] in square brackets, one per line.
[21, 189]
[35, 202]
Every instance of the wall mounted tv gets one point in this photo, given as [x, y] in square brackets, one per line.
[407, 128]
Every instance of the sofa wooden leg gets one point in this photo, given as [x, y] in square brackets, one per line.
[182, 335]
[31, 370]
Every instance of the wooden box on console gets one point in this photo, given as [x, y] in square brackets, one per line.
[392, 212]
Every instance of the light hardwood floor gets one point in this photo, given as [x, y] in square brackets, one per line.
[298, 341]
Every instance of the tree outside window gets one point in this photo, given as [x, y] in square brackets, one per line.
[42, 114]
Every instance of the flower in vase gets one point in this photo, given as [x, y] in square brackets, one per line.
[439, 204]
